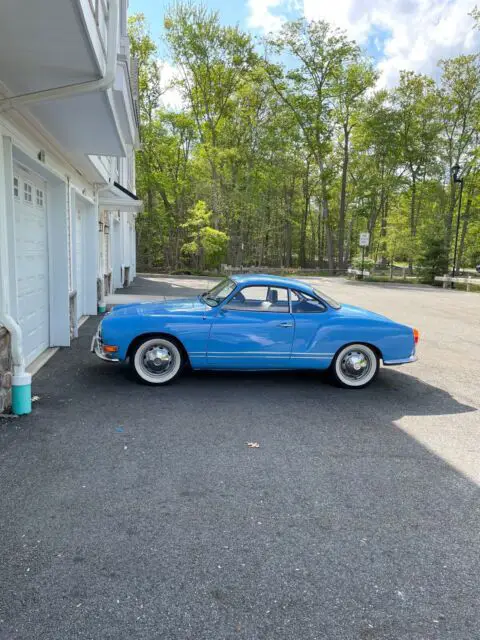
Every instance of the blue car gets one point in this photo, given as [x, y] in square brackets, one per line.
[254, 322]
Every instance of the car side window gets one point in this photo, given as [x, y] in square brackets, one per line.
[305, 303]
[260, 298]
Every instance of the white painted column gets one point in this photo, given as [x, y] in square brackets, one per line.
[6, 214]
[134, 248]
[58, 241]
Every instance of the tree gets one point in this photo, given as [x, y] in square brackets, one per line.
[310, 90]
[416, 101]
[206, 245]
[459, 104]
[213, 61]
[281, 161]
[357, 78]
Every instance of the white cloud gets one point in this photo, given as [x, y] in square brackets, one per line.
[171, 97]
[261, 17]
[416, 33]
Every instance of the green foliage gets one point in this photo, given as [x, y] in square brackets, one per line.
[284, 165]
[206, 246]
[432, 259]
[368, 263]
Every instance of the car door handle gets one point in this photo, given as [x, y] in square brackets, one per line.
[286, 324]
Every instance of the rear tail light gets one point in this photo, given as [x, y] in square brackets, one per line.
[416, 335]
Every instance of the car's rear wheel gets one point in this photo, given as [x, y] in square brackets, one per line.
[355, 366]
[157, 360]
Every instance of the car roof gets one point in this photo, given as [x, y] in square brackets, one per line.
[273, 281]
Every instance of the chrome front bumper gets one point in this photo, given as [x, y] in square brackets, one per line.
[97, 348]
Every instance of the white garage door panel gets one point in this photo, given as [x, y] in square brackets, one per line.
[32, 265]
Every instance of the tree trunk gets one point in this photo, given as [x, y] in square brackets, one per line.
[349, 241]
[383, 234]
[413, 229]
[320, 237]
[449, 216]
[465, 221]
[303, 223]
[343, 197]
[325, 215]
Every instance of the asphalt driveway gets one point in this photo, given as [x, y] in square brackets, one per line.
[129, 512]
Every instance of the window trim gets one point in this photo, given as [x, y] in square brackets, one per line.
[322, 302]
[25, 201]
[42, 194]
[17, 187]
[248, 286]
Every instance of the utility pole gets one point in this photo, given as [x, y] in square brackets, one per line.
[456, 179]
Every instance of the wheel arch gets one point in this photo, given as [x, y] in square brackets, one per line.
[373, 347]
[156, 334]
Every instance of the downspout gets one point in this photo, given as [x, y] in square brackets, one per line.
[21, 380]
[80, 88]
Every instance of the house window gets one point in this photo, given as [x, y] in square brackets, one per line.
[27, 192]
[39, 199]
[16, 187]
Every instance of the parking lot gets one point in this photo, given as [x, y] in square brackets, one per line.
[138, 512]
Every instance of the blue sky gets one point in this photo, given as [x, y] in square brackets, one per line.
[398, 34]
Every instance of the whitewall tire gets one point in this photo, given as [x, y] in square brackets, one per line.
[355, 366]
[157, 361]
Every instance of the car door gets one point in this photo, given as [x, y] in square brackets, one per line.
[312, 348]
[253, 330]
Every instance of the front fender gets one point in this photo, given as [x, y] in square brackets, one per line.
[121, 331]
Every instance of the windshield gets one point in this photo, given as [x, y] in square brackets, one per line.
[218, 294]
[330, 301]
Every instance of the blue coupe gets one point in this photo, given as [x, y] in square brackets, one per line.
[254, 322]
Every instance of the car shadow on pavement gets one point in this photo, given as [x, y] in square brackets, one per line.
[393, 394]
[141, 511]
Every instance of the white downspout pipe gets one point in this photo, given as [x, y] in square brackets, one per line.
[67, 91]
[21, 380]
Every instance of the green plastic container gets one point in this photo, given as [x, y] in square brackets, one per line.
[22, 394]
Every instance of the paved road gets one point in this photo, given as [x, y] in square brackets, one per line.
[132, 512]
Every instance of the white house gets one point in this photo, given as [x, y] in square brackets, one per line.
[68, 130]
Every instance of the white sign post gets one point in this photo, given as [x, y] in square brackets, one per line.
[364, 242]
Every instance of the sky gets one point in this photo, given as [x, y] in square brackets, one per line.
[398, 34]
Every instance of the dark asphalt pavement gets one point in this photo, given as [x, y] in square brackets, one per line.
[130, 512]
[163, 287]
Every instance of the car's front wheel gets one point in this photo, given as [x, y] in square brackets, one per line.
[355, 366]
[157, 360]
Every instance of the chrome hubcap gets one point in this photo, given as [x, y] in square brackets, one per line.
[355, 365]
[158, 359]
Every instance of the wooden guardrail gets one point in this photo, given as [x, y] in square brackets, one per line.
[448, 280]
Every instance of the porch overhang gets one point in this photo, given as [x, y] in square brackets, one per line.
[119, 198]
[59, 49]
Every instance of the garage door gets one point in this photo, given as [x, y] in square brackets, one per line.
[31, 252]
[80, 261]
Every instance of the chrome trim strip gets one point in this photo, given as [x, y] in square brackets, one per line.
[268, 353]
[238, 355]
[315, 357]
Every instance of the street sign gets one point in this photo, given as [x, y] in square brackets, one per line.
[364, 239]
